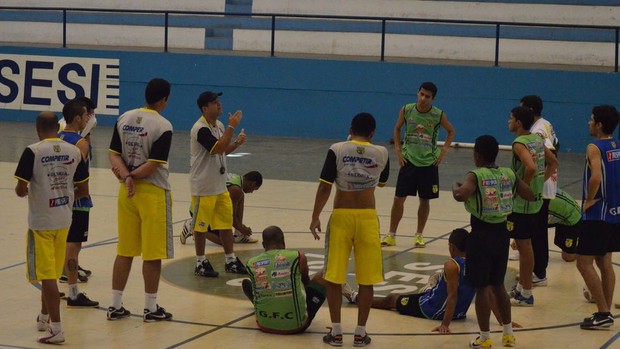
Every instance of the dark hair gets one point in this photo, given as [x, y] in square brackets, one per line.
[255, 177]
[487, 147]
[606, 115]
[525, 115]
[429, 86]
[273, 235]
[88, 103]
[363, 124]
[72, 109]
[156, 90]
[458, 238]
[533, 102]
[47, 121]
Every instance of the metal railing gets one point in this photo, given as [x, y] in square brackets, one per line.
[275, 16]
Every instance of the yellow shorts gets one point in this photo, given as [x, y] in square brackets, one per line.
[45, 253]
[357, 228]
[145, 222]
[213, 211]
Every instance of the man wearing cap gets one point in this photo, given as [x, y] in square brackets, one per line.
[210, 141]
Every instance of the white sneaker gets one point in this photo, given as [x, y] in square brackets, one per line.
[187, 231]
[41, 325]
[244, 239]
[538, 282]
[52, 338]
[349, 293]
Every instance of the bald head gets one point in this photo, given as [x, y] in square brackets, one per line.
[47, 125]
[273, 238]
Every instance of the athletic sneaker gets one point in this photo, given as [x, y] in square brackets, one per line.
[81, 278]
[41, 325]
[349, 293]
[418, 241]
[159, 315]
[81, 301]
[52, 338]
[521, 301]
[597, 320]
[388, 240]
[538, 282]
[236, 267]
[361, 341]
[244, 239]
[478, 343]
[85, 272]
[333, 340]
[206, 269]
[117, 314]
[187, 231]
[509, 340]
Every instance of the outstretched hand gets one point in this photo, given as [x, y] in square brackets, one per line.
[315, 226]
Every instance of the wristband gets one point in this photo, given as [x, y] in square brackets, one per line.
[233, 127]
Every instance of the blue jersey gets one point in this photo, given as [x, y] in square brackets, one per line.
[607, 208]
[433, 302]
[85, 203]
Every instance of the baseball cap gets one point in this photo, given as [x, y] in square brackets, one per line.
[206, 98]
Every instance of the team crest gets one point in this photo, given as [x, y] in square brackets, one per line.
[435, 188]
[139, 120]
[568, 243]
[361, 150]
[57, 148]
[404, 301]
[613, 144]
[510, 225]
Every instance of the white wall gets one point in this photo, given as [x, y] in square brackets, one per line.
[565, 14]
[101, 35]
[177, 5]
[424, 46]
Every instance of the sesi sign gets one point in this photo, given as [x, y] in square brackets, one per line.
[48, 82]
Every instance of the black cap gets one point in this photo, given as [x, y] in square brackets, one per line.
[206, 98]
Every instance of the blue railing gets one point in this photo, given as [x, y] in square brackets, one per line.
[275, 16]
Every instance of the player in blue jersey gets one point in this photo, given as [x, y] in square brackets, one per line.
[600, 231]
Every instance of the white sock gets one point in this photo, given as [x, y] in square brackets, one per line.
[199, 260]
[392, 234]
[484, 335]
[507, 328]
[360, 331]
[230, 257]
[418, 234]
[73, 291]
[519, 288]
[44, 317]
[526, 293]
[55, 327]
[336, 329]
[150, 301]
[117, 299]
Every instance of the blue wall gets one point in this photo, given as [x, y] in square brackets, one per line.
[317, 98]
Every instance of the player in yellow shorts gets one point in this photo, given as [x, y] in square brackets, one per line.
[52, 174]
[356, 167]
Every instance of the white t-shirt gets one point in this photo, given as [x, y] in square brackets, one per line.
[544, 129]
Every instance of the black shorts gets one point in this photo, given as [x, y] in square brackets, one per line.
[315, 296]
[409, 304]
[566, 237]
[421, 181]
[521, 226]
[597, 238]
[78, 232]
[487, 254]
